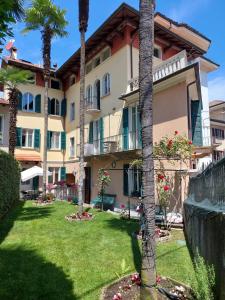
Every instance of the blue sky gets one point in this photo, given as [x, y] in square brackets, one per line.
[203, 15]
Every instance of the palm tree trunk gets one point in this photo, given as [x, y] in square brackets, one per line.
[82, 105]
[46, 52]
[13, 109]
[148, 270]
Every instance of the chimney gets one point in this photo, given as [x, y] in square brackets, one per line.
[14, 53]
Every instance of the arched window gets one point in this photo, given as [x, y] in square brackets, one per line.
[97, 93]
[89, 94]
[55, 107]
[106, 84]
[28, 102]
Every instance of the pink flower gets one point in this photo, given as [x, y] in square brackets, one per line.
[158, 279]
[166, 188]
[117, 296]
[122, 206]
[176, 132]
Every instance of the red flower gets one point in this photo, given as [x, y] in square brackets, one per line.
[122, 206]
[160, 177]
[170, 143]
[190, 142]
[176, 132]
[158, 279]
[106, 173]
[166, 188]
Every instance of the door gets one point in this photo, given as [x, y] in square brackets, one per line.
[87, 185]
[97, 94]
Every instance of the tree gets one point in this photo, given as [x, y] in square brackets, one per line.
[10, 12]
[146, 46]
[43, 15]
[11, 78]
[83, 24]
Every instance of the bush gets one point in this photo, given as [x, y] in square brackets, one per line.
[204, 280]
[9, 182]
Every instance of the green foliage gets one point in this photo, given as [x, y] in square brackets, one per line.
[123, 269]
[10, 12]
[12, 77]
[44, 14]
[9, 182]
[103, 180]
[204, 280]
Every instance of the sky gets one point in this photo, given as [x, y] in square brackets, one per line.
[207, 16]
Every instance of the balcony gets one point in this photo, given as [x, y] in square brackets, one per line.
[112, 144]
[217, 140]
[92, 106]
[167, 67]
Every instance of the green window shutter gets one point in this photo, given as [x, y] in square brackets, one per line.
[62, 173]
[49, 106]
[125, 180]
[37, 138]
[90, 137]
[101, 127]
[125, 128]
[196, 122]
[139, 128]
[20, 97]
[35, 183]
[63, 140]
[38, 104]
[49, 133]
[63, 108]
[18, 137]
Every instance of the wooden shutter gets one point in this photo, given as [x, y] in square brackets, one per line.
[101, 129]
[62, 173]
[49, 106]
[37, 138]
[35, 183]
[63, 108]
[125, 128]
[18, 137]
[196, 122]
[90, 137]
[20, 99]
[63, 140]
[49, 134]
[125, 180]
[38, 104]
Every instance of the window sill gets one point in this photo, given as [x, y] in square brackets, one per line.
[55, 116]
[55, 150]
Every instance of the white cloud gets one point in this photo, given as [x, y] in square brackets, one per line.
[217, 88]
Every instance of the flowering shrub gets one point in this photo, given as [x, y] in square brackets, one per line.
[164, 190]
[102, 182]
[177, 146]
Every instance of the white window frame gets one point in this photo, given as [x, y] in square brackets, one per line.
[53, 140]
[89, 97]
[54, 114]
[106, 84]
[2, 130]
[26, 138]
[27, 102]
[72, 147]
[72, 111]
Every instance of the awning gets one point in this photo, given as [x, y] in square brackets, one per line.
[28, 157]
[32, 172]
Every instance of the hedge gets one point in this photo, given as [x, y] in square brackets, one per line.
[9, 182]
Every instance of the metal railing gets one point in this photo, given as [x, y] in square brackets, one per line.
[112, 144]
[167, 67]
[92, 103]
[209, 186]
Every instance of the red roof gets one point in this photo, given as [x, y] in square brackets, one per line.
[3, 101]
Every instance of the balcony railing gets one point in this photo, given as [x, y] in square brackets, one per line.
[167, 67]
[92, 105]
[112, 144]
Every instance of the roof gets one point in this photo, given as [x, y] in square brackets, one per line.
[3, 101]
[28, 157]
[113, 25]
[216, 103]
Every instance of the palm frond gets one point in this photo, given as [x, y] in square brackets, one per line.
[13, 77]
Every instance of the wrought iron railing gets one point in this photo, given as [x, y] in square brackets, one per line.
[209, 186]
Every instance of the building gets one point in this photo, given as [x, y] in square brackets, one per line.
[217, 124]
[112, 124]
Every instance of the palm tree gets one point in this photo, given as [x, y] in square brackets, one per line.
[83, 24]
[43, 15]
[146, 46]
[11, 78]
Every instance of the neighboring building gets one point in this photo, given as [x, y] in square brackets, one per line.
[217, 123]
[4, 124]
[112, 124]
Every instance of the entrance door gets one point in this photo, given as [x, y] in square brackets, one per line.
[87, 185]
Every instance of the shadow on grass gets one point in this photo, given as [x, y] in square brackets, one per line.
[32, 213]
[129, 226]
[25, 275]
[170, 251]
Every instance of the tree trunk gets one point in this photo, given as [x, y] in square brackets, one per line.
[82, 106]
[148, 270]
[13, 101]
[46, 52]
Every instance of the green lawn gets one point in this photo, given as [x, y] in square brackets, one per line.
[43, 256]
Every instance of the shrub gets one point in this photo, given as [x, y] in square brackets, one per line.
[9, 182]
[204, 280]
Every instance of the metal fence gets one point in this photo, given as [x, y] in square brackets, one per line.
[209, 186]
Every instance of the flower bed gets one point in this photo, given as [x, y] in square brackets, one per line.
[85, 216]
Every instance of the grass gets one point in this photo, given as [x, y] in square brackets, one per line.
[43, 256]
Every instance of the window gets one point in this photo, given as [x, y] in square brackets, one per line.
[28, 138]
[106, 84]
[72, 112]
[97, 93]
[218, 133]
[132, 180]
[72, 147]
[217, 155]
[1, 129]
[55, 107]
[72, 80]
[97, 61]
[158, 52]
[55, 84]
[89, 94]
[28, 102]
[106, 54]
[55, 140]
[50, 177]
